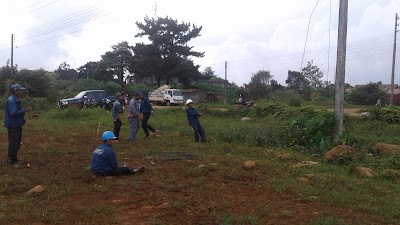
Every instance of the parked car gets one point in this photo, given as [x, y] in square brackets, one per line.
[89, 99]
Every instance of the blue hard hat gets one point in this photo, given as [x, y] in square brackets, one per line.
[107, 136]
[137, 93]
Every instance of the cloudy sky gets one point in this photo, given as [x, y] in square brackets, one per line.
[250, 35]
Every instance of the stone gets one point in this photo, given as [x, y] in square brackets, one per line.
[116, 201]
[366, 172]
[164, 206]
[305, 163]
[202, 165]
[249, 164]
[36, 189]
[283, 156]
[245, 118]
[339, 151]
[383, 148]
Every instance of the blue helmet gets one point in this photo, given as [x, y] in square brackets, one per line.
[107, 136]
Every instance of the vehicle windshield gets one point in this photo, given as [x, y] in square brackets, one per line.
[177, 93]
[81, 94]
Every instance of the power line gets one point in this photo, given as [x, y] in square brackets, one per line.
[308, 29]
[44, 6]
[329, 34]
[396, 2]
[58, 23]
[66, 25]
[37, 3]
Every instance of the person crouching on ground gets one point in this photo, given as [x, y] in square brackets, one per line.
[133, 116]
[117, 111]
[193, 119]
[104, 162]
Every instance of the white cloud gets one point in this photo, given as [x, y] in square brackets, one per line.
[252, 35]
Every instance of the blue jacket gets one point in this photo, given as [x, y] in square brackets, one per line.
[103, 160]
[145, 105]
[192, 116]
[14, 114]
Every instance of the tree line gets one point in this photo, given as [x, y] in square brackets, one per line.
[167, 58]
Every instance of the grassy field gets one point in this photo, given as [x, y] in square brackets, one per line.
[212, 187]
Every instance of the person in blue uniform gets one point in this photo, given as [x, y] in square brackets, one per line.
[13, 121]
[104, 162]
[193, 119]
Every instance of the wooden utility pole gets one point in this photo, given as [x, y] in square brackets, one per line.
[226, 67]
[394, 59]
[340, 68]
[12, 54]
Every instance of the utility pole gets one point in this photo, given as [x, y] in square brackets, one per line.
[340, 68]
[226, 65]
[394, 59]
[12, 54]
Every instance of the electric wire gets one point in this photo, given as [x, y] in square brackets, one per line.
[44, 6]
[329, 39]
[308, 29]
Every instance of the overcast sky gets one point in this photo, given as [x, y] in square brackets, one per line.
[250, 35]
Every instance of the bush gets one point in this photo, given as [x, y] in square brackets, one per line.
[390, 114]
[295, 101]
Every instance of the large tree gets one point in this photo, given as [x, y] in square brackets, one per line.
[298, 82]
[259, 85]
[167, 51]
[117, 61]
[66, 73]
[313, 75]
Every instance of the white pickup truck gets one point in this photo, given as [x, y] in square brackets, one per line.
[167, 96]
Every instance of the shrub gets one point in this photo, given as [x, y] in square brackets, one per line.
[295, 101]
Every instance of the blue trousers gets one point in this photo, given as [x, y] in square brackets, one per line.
[198, 131]
[134, 128]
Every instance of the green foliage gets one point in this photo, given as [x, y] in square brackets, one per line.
[313, 75]
[259, 87]
[366, 94]
[167, 55]
[117, 61]
[311, 131]
[232, 91]
[390, 114]
[282, 111]
[295, 101]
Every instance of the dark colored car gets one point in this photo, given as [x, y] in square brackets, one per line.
[88, 99]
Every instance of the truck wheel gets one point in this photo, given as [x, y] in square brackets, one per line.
[168, 103]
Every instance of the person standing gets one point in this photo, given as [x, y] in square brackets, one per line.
[13, 121]
[133, 117]
[104, 162]
[117, 111]
[145, 110]
[193, 119]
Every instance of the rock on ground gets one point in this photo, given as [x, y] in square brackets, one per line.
[245, 118]
[366, 172]
[339, 151]
[36, 189]
[383, 148]
[249, 164]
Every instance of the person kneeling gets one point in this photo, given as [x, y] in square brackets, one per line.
[104, 162]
